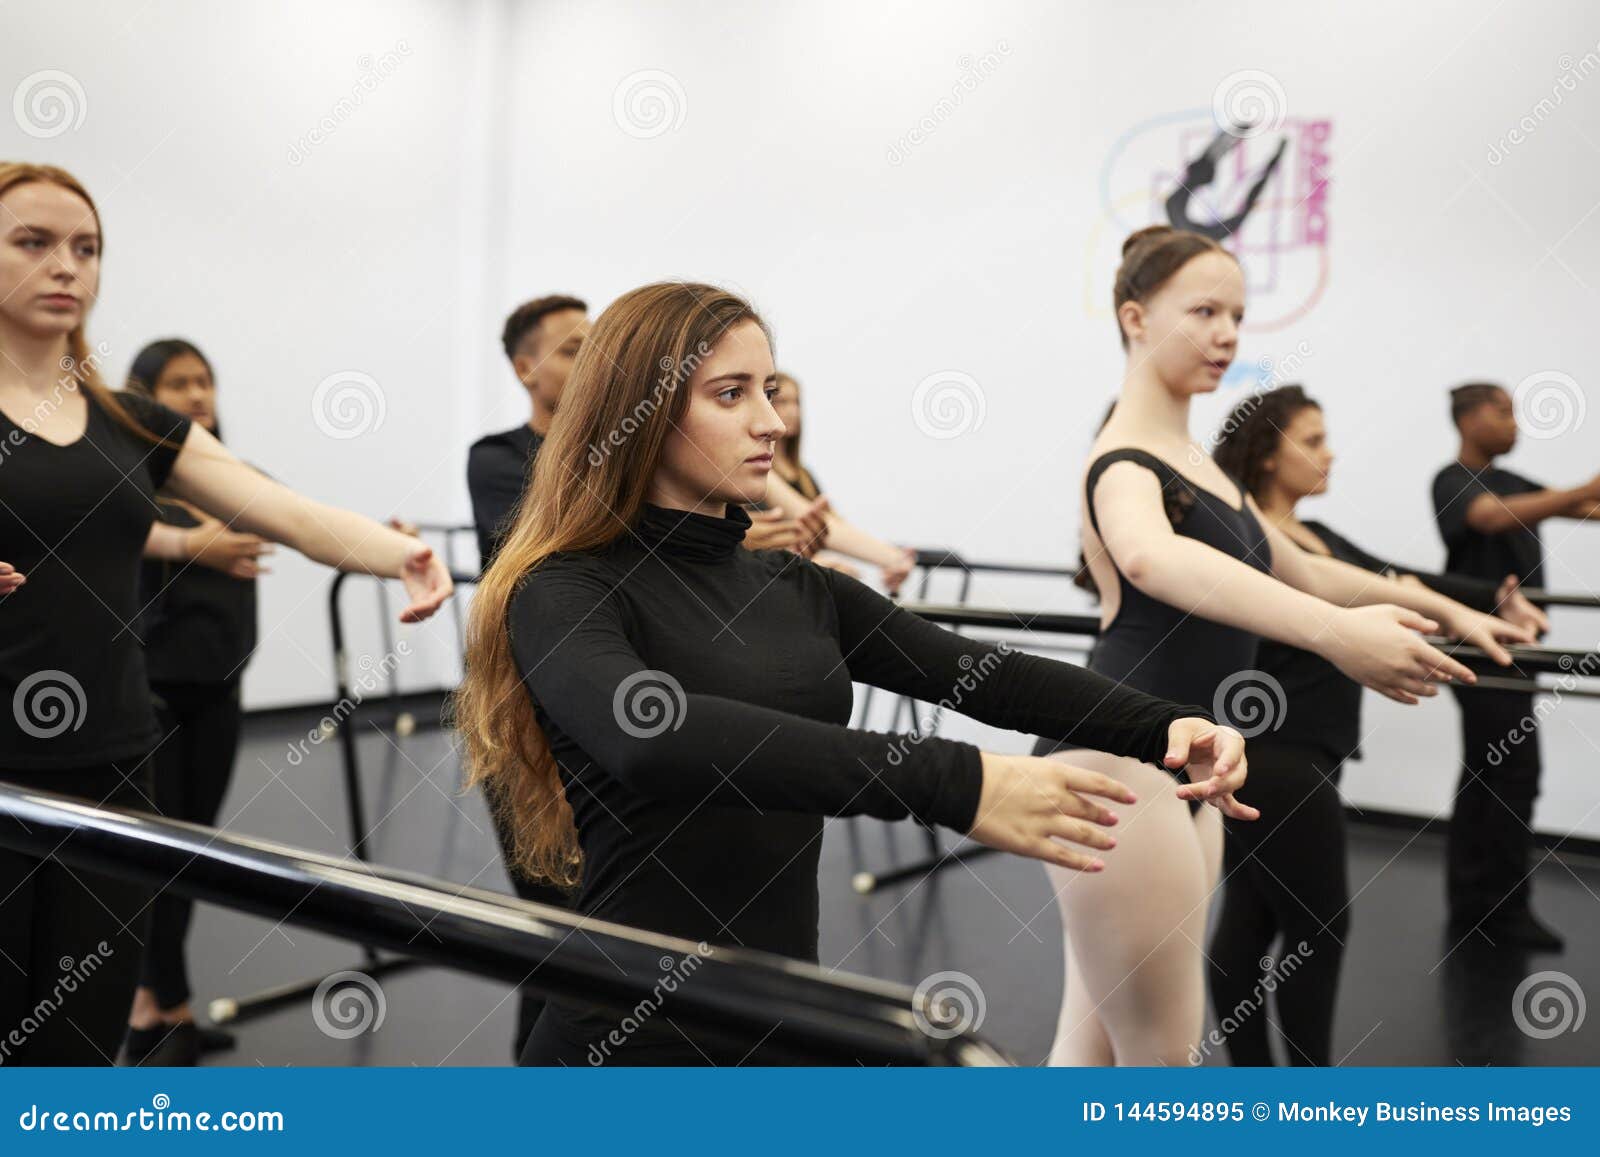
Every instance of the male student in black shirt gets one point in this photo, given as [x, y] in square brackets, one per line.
[541, 338]
[1489, 519]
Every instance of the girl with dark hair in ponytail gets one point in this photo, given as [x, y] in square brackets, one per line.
[198, 625]
[80, 469]
[1189, 575]
[1286, 879]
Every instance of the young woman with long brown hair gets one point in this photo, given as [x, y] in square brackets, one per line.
[1189, 577]
[665, 713]
[80, 469]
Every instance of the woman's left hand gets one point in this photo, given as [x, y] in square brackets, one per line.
[1213, 756]
[1516, 607]
[896, 573]
[1486, 632]
[427, 581]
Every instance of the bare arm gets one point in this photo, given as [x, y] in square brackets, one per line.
[208, 475]
[1375, 646]
[1345, 584]
[843, 536]
[1497, 514]
[1194, 577]
[1583, 510]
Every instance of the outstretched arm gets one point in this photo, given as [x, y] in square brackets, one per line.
[208, 475]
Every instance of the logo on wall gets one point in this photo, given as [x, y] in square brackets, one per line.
[1261, 189]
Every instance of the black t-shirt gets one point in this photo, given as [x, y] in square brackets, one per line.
[1322, 706]
[498, 469]
[74, 520]
[695, 695]
[198, 624]
[1471, 552]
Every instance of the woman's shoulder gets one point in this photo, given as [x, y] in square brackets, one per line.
[149, 413]
[568, 566]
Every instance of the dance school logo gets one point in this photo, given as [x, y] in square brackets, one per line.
[1242, 172]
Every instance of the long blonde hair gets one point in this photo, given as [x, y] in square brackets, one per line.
[627, 389]
[78, 365]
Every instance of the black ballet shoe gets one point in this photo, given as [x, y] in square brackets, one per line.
[214, 1039]
[140, 1041]
[165, 1045]
[1517, 929]
[1525, 930]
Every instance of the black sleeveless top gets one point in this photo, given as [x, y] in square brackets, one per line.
[1155, 647]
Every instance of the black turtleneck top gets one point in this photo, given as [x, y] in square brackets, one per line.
[695, 696]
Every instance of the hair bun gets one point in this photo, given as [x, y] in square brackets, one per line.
[1149, 232]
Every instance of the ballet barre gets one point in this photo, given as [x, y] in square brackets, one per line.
[1531, 659]
[738, 996]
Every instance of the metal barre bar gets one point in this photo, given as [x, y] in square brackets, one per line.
[1538, 659]
[938, 558]
[820, 1016]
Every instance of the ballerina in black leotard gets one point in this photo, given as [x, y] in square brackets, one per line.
[1285, 876]
[1184, 566]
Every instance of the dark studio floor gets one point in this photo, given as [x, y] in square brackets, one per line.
[1407, 999]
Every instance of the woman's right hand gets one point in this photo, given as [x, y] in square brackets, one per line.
[1378, 646]
[10, 578]
[1028, 803]
[213, 545]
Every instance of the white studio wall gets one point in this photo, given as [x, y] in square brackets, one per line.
[925, 200]
[296, 189]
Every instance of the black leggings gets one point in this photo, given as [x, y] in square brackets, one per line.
[193, 768]
[70, 940]
[1285, 877]
[1491, 826]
